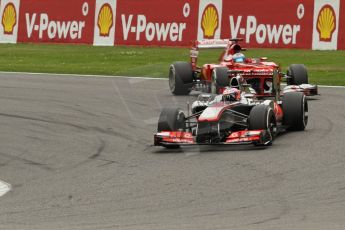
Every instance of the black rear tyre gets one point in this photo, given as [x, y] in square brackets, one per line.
[220, 79]
[298, 75]
[262, 117]
[295, 109]
[181, 78]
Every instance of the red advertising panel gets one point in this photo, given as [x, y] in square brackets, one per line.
[341, 35]
[62, 21]
[267, 23]
[153, 22]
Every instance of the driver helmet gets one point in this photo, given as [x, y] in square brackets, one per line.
[231, 94]
[238, 57]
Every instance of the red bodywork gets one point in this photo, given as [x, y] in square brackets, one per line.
[257, 70]
[252, 68]
[166, 138]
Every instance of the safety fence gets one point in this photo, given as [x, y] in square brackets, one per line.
[308, 24]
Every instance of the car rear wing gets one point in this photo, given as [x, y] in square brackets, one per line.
[210, 44]
[205, 44]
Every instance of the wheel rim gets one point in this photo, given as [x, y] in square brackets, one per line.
[272, 127]
[271, 124]
[172, 77]
[305, 112]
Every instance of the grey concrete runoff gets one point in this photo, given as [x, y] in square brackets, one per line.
[77, 153]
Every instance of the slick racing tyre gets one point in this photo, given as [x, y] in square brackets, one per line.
[262, 117]
[220, 79]
[295, 110]
[298, 75]
[180, 78]
[171, 119]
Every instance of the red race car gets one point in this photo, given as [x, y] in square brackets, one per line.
[212, 78]
[236, 116]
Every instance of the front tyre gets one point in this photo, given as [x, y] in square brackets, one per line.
[262, 117]
[171, 119]
[180, 78]
[295, 109]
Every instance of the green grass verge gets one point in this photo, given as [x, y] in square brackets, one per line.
[325, 67]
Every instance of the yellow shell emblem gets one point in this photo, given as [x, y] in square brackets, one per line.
[326, 23]
[210, 21]
[9, 18]
[105, 20]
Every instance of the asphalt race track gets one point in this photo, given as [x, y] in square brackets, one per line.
[78, 154]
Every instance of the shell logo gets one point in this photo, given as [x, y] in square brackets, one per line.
[210, 21]
[105, 20]
[326, 23]
[9, 18]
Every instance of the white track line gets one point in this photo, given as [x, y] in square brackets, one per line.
[109, 76]
[331, 86]
[4, 188]
[82, 75]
